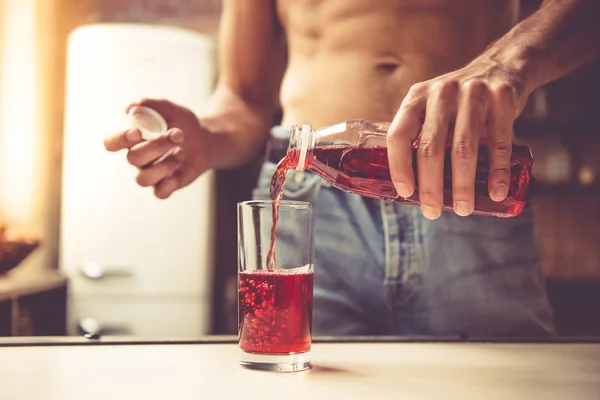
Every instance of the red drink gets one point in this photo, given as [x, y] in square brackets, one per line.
[277, 184]
[275, 310]
[365, 171]
[352, 156]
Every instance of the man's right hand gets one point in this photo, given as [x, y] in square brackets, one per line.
[171, 161]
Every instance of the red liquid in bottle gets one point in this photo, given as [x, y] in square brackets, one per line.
[365, 171]
[275, 310]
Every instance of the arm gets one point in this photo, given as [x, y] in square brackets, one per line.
[252, 56]
[560, 37]
[483, 99]
[237, 120]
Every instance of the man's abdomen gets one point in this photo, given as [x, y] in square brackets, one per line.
[355, 59]
[330, 90]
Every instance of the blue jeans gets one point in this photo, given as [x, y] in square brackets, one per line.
[381, 268]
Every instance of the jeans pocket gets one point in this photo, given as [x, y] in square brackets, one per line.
[299, 186]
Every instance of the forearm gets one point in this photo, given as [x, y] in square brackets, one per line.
[238, 129]
[560, 37]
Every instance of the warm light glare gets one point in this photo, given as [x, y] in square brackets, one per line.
[18, 112]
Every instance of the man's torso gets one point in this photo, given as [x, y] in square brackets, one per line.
[350, 59]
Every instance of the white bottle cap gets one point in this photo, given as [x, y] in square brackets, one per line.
[148, 121]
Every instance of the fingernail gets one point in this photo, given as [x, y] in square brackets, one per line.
[132, 135]
[500, 192]
[402, 189]
[430, 212]
[462, 208]
[176, 136]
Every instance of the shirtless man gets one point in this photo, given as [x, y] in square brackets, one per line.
[431, 67]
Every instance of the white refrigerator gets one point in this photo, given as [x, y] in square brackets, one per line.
[137, 265]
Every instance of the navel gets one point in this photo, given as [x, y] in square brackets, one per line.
[388, 64]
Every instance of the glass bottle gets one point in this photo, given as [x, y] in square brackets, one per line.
[352, 156]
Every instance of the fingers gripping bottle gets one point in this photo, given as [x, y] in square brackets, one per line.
[352, 156]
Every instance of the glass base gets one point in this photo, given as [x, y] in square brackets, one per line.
[275, 362]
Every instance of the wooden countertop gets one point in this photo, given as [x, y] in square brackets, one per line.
[348, 371]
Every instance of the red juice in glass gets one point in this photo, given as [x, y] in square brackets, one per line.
[275, 284]
[275, 310]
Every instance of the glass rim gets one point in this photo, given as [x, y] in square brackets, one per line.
[290, 204]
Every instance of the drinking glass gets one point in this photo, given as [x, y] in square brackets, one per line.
[275, 298]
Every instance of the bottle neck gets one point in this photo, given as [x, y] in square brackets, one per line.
[302, 141]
